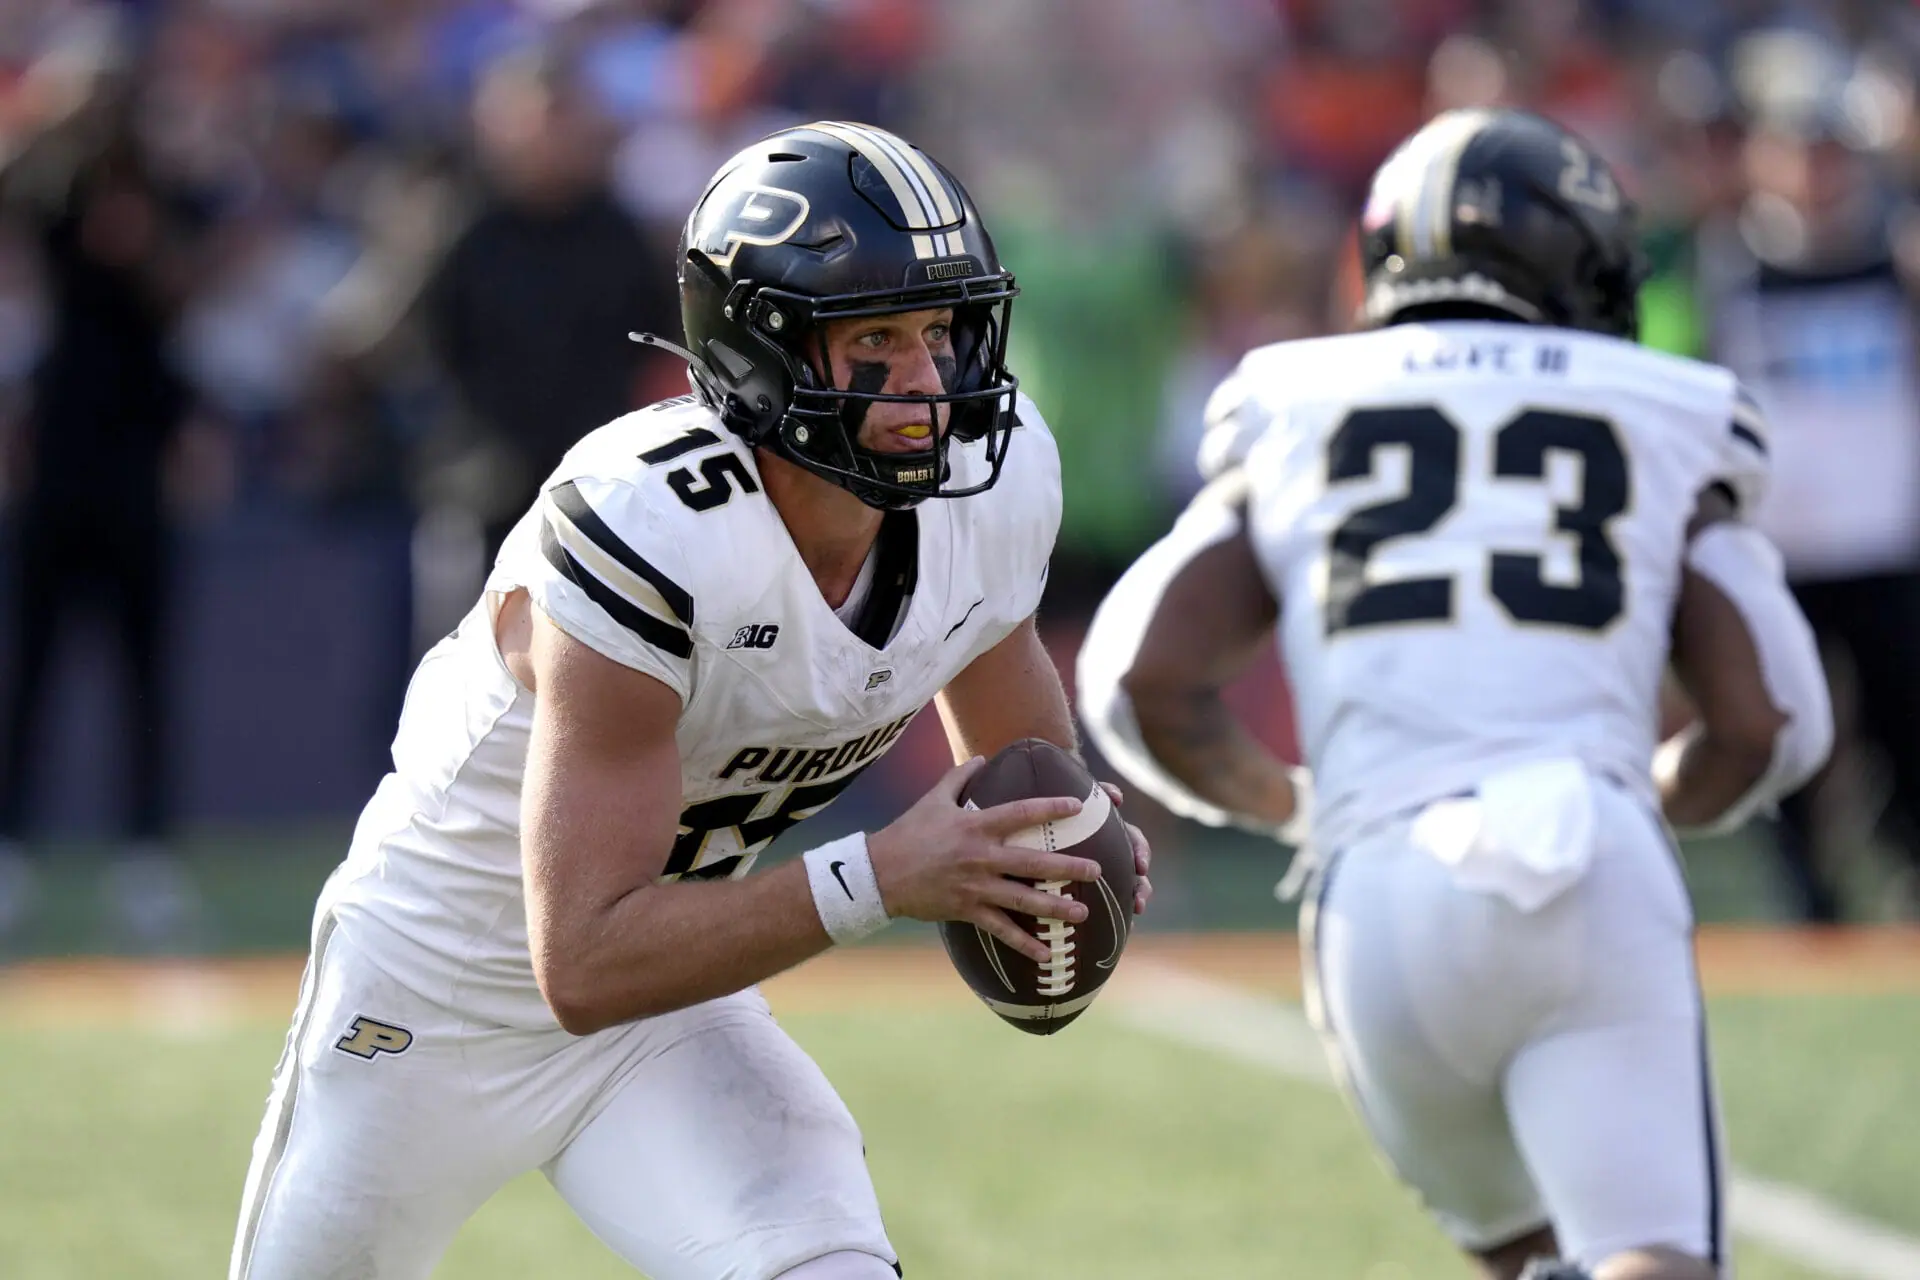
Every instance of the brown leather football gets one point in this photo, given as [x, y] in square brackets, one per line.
[1041, 999]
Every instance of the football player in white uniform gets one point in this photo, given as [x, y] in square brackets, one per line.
[1483, 529]
[541, 949]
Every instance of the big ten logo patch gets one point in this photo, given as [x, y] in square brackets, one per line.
[755, 635]
[369, 1039]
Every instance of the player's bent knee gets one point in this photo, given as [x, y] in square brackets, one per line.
[845, 1265]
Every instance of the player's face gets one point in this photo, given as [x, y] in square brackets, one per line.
[906, 354]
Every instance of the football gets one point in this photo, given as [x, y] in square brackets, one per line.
[1041, 999]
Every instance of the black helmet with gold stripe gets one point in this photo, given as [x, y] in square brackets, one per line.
[1500, 213]
[833, 221]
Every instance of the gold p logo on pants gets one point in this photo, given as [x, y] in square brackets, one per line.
[368, 1039]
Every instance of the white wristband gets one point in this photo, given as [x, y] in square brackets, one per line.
[845, 892]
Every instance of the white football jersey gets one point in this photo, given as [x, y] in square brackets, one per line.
[1476, 532]
[655, 545]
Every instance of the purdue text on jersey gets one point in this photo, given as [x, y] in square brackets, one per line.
[799, 764]
[749, 820]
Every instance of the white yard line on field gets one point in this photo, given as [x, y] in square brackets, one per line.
[1179, 1004]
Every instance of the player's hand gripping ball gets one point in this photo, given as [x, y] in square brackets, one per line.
[1042, 998]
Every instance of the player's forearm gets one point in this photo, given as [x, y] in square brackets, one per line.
[1751, 665]
[976, 735]
[667, 946]
[1010, 692]
[1708, 776]
[1194, 736]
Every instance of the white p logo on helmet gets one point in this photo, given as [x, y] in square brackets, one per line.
[751, 215]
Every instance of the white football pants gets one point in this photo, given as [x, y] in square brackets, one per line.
[1524, 1068]
[700, 1145]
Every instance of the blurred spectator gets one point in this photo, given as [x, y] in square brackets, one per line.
[1352, 87]
[1805, 298]
[525, 310]
[530, 309]
[1096, 210]
[105, 404]
[1693, 179]
[1254, 285]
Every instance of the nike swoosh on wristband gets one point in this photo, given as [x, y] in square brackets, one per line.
[835, 868]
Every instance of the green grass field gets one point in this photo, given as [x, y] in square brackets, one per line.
[123, 1145]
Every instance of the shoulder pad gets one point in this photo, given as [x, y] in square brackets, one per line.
[1015, 524]
[1746, 451]
[677, 452]
[612, 574]
[1706, 400]
[1032, 466]
[1677, 382]
[1234, 419]
[1256, 397]
[610, 560]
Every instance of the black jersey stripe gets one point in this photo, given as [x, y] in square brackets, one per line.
[1747, 435]
[573, 505]
[658, 632]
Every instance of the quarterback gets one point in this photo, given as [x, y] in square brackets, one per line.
[542, 948]
[1484, 527]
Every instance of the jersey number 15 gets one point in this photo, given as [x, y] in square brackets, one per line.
[1516, 579]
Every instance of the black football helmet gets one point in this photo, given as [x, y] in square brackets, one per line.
[833, 221]
[1500, 213]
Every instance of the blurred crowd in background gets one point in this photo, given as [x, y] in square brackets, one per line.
[300, 299]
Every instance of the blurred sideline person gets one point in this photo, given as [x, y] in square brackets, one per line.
[1808, 299]
[1483, 529]
[541, 950]
[117, 243]
[529, 310]
[520, 286]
